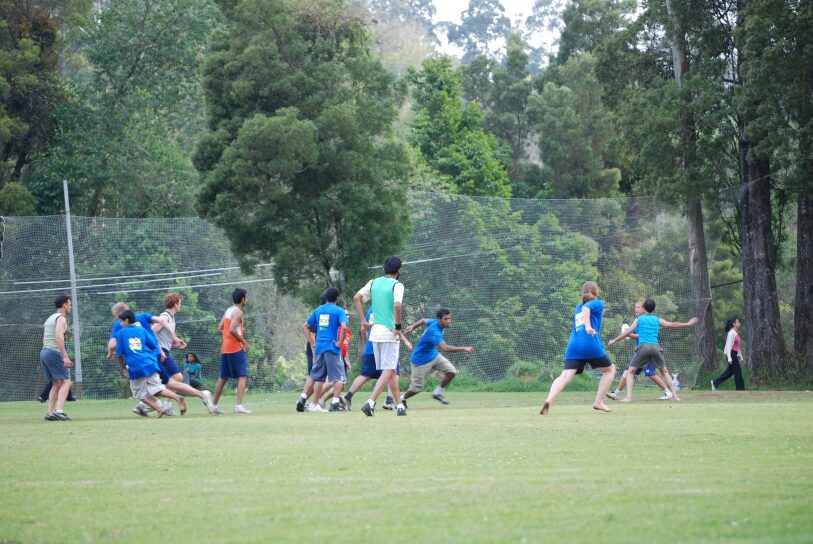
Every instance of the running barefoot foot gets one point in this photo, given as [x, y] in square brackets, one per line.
[625, 399]
[601, 406]
[545, 408]
[160, 413]
[182, 404]
[675, 397]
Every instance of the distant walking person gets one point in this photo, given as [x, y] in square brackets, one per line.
[732, 353]
[54, 358]
[233, 362]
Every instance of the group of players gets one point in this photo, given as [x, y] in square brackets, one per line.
[142, 344]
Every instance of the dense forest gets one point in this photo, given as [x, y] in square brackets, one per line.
[301, 127]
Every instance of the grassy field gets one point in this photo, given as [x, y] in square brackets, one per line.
[486, 468]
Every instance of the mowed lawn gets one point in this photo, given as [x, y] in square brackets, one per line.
[487, 468]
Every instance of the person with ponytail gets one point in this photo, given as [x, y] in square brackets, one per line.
[732, 353]
[585, 348]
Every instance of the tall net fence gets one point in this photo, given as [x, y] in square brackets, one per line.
[509, 270]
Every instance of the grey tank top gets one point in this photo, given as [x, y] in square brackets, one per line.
[49, 332]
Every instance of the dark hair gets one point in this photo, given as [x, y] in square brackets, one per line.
[194, 356]
[61, 300]
[331, 294]
[730, 323]
[238, 295]
[128, 316]
[322, 298]
[392, 265]
[441, 312]
[649, 305]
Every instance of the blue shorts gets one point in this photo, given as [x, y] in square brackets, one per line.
[52, 365]
[649, 370]
[368, 369]
[168, 368]
[233, 365]
[328, 365]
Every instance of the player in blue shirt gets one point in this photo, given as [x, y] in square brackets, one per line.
[648, 348]
[328, 370]
[648, 370]
[136, 350]
[426, 359]
[585, 348]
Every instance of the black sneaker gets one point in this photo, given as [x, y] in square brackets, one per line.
[440, 398]
[335, 407]
[403, 401]
[61, 416]
[51, 417]
[389, 404]
[401, 411]
[300, 404]
[367, 409]
[345, 402]
[42, 400]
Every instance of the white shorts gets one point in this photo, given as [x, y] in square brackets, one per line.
[386, 355]
[146, 386]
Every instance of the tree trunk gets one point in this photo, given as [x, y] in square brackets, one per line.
[764, 344]
[704, 332]
[698, 260]
[803, 315]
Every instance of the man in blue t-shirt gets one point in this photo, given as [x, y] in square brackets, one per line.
[426, 359]
[136, 350]
[330, 322]
[368, 370]
[648, 348]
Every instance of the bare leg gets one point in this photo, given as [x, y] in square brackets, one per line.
[668, 379]
[176, 384]
[382, 383]
[53, 395]
[174, 396]
[64, 389]
[622, 383]
[630, 383]
[447, 379]
[556, 388]
[219, 388]
[607, 377]
[658, 381]
[358, 383]
[308, 389]
[154, 404]
[242, 381]
[337, 389]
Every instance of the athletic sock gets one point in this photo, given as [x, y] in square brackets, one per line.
[371, 402]
[303, 396]
[401, 405]
[348, 395]
[335, 400]
[402, 399]
[438, 390]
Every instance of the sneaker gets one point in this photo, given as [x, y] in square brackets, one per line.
[51, 417]
[314, 407]
[139, 411]
[345, 402]
[367, 409]
[612, 395]
[208, 402]
[42, 400]
[169, 412]
[218, 410]
[713, 389]
[403, 401]
[240, 409]
[666, 395]
[300, 404]
[61, 416]
[440, 398]
[336, 407]
[389, 404]
[401, 411]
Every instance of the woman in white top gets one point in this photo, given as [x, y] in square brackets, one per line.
[732, 353]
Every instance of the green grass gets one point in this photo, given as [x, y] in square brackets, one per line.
[487, 468]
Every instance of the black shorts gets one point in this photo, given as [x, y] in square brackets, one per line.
[596, 362]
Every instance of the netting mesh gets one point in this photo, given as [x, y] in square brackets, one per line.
[510, 271]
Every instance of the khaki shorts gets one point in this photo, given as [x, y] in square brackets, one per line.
[419, 373]
[147, 386]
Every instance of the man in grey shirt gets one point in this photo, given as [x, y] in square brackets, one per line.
[54, 358]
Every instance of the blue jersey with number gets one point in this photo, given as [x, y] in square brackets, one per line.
[138, 348]
[327, 319]
[582, 345]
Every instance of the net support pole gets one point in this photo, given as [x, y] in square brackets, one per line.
[77, 350]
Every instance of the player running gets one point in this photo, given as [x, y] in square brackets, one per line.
[426, 359]
[368, 370]
[585, 348]
[649, 371]
[648, 348]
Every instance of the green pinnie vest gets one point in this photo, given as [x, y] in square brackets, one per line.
[383, 301]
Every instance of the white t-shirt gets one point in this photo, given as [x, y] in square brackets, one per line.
[380, 333]
[163, 335]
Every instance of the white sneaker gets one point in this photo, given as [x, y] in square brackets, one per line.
[612, 395]
[208, 402]
[240, 409]
[666, 395]
[314, 407]
[217, 409]
[713, 389]
[169, 412]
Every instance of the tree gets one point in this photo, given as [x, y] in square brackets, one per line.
[296, 164]
[16, 200]
[588, 23]
[450, 135]
[482, 22]
[574, 130]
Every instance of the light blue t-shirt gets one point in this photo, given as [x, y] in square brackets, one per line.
[326, 320]
[581, 345]
[193, 369]
[368, 348]
[427, 348]
[138, 348]
[648, 327]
